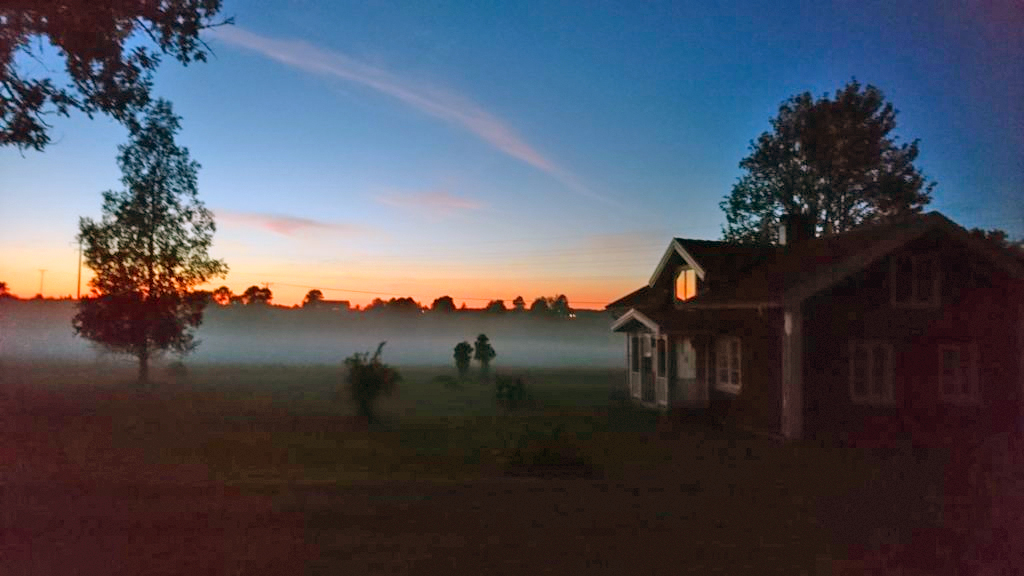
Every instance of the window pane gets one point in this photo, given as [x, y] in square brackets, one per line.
[902, 279]
[636, 354]
[880, 371]
[950, 370]
[860, 371]
[661, 358]
[686, 284]
[964, 372]
[925, 276]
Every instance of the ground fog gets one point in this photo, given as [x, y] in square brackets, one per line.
[41, 330]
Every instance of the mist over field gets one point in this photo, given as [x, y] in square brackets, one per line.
[41, 330]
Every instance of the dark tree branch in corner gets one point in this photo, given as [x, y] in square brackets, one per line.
[90, 35]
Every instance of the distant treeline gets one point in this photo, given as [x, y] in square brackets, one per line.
[553, 306]
[556, 306]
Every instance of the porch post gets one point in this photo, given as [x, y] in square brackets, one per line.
[792, 373]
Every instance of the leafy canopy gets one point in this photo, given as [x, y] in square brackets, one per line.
[833, 161]
[110, 49]
[483, 351]
[150, 248]
[463, 356]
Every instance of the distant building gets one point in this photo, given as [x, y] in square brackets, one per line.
[911, 329]
[333, 305]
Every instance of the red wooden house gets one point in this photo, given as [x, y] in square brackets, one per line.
[911, 329]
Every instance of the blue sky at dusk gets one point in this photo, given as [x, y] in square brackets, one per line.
[526, 149]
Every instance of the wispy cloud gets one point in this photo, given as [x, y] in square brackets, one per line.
[286, 225]
[438, 202]
[430, 100]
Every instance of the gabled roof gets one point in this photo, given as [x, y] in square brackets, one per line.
[796, 272]
[714, 258]
[631, 300]
[632, 318]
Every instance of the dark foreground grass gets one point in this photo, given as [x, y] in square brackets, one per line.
[243, 469]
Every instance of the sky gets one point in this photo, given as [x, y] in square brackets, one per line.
[492, 150]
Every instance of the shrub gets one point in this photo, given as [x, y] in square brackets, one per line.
[484, 352]
[463, 356]
[510, 394]
[368, 377]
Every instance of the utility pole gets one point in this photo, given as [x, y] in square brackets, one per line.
[78, 293]
[42, 272]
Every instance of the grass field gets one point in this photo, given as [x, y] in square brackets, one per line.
[263, 469]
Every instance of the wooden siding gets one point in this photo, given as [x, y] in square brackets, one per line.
[974, 308]
[759, 403]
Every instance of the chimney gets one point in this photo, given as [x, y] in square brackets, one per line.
[795, 228]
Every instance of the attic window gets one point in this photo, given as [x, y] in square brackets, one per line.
[914, 280]
[686, 284]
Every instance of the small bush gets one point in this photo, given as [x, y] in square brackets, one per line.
[463, 356]
[510, 394]
[368, 377]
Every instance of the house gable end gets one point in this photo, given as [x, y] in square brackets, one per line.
[664, 269]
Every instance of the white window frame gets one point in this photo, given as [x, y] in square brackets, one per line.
[870, 397]
[916, 262]
[661, 357]
[733, 382]
[968, 391]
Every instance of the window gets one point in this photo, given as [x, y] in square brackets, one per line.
[635, 356]
[915, 280]
[958, 376]
[662, 358]
[686, 284]
[871, 372]
[727, 365]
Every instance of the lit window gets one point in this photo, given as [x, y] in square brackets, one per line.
[686, 284]
[958, 376]
[871, 372]
[727, 363]
[915, 280]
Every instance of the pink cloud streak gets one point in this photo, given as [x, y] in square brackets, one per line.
[283, 224]
[437, 201]
[438, 103]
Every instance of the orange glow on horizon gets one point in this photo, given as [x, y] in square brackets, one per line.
[290, 290]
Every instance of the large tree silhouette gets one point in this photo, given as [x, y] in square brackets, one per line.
[149, 249]
[443, 304]
[831, 161]
[257, 295]
[110, 49]
[312, 298]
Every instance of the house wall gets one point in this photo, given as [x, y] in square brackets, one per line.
[759, 403]
[975, 306]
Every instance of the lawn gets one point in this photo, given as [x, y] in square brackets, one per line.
[263, 469]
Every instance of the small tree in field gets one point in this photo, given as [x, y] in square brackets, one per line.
[149, 249]
[368, 377]
[463, 356]
[484, 353]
